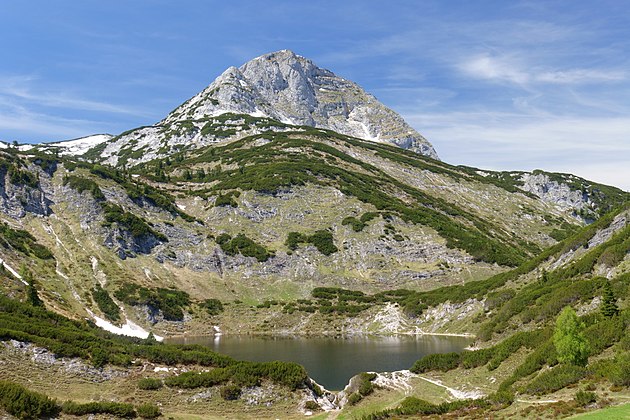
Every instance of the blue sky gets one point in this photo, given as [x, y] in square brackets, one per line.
[492, 84]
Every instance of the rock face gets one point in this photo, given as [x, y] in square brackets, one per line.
[554, 192]
[292, 89]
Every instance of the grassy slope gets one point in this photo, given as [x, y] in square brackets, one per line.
[514, 365]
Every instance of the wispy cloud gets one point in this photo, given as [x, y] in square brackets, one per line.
[23, 88]
[513, 70]
[589, 147]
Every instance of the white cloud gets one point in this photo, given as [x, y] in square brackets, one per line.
[494, 68]
[25, 89]
[594, 148]
[509, 69]
[581, 76]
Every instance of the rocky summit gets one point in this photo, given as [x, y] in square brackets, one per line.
[281, 86]
[290, 88]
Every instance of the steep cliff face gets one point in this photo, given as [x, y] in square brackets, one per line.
[292, 89]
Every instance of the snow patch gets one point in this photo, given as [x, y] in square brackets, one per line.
[12, 271]
[79, 146]
[129, 328]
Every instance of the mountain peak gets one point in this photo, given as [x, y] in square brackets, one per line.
[292, 89]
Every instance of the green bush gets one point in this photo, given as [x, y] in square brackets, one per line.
[22, 241]
[227, 199]
[584, 398]
[230, 392]
[354, 398]
[355, 223]
[150, 384]
[555, 379]
[81, 184]
[321, 239]
[619, 373]
[169, 301]
[312, 405]
[148, 411]
[501, 398]
[568, 337]
[106, 303]
[25, 404]
[243, 245]
[135, 225]
[114, 408]
[412, 406]
[213, 306]
[437, 361]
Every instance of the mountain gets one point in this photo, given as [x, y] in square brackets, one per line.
[263, 208]
[282, 87]
[231, 218]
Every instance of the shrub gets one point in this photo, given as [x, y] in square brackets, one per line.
[555, 379]
[149, 384]
[355, 223]
[148, 411]
[213, 306]
[135, 225]
[169, 301]
[81, 184]
[366, 388]
[243, 245]
[230, 392]
[23, 242]
[354, 398]
[619, 373]
[436, 361]
[312, 405]
[227, 199]
[584, 398]
[502, 398]
[25, 404]
[113, 408]
[105, 303]
[321, 239]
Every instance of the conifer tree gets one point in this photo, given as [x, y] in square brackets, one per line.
[31, 291]
[609, 306]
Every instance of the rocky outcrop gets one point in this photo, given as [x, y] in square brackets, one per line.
[292, 89]
[555, 192]
[18, 199]
[275, 92]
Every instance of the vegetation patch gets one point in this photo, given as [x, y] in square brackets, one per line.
[228, 199]
[25, 404]
[359, 224]
[169, 302]
[22, 241]
[81, 184]
[105, 303]
[322, 240]
[136, 226]
[243, 245]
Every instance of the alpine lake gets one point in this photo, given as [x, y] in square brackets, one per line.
[331, 362]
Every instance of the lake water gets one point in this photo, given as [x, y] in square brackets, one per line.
[333, 361]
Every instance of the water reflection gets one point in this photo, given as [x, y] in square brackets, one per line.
[333, 361]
